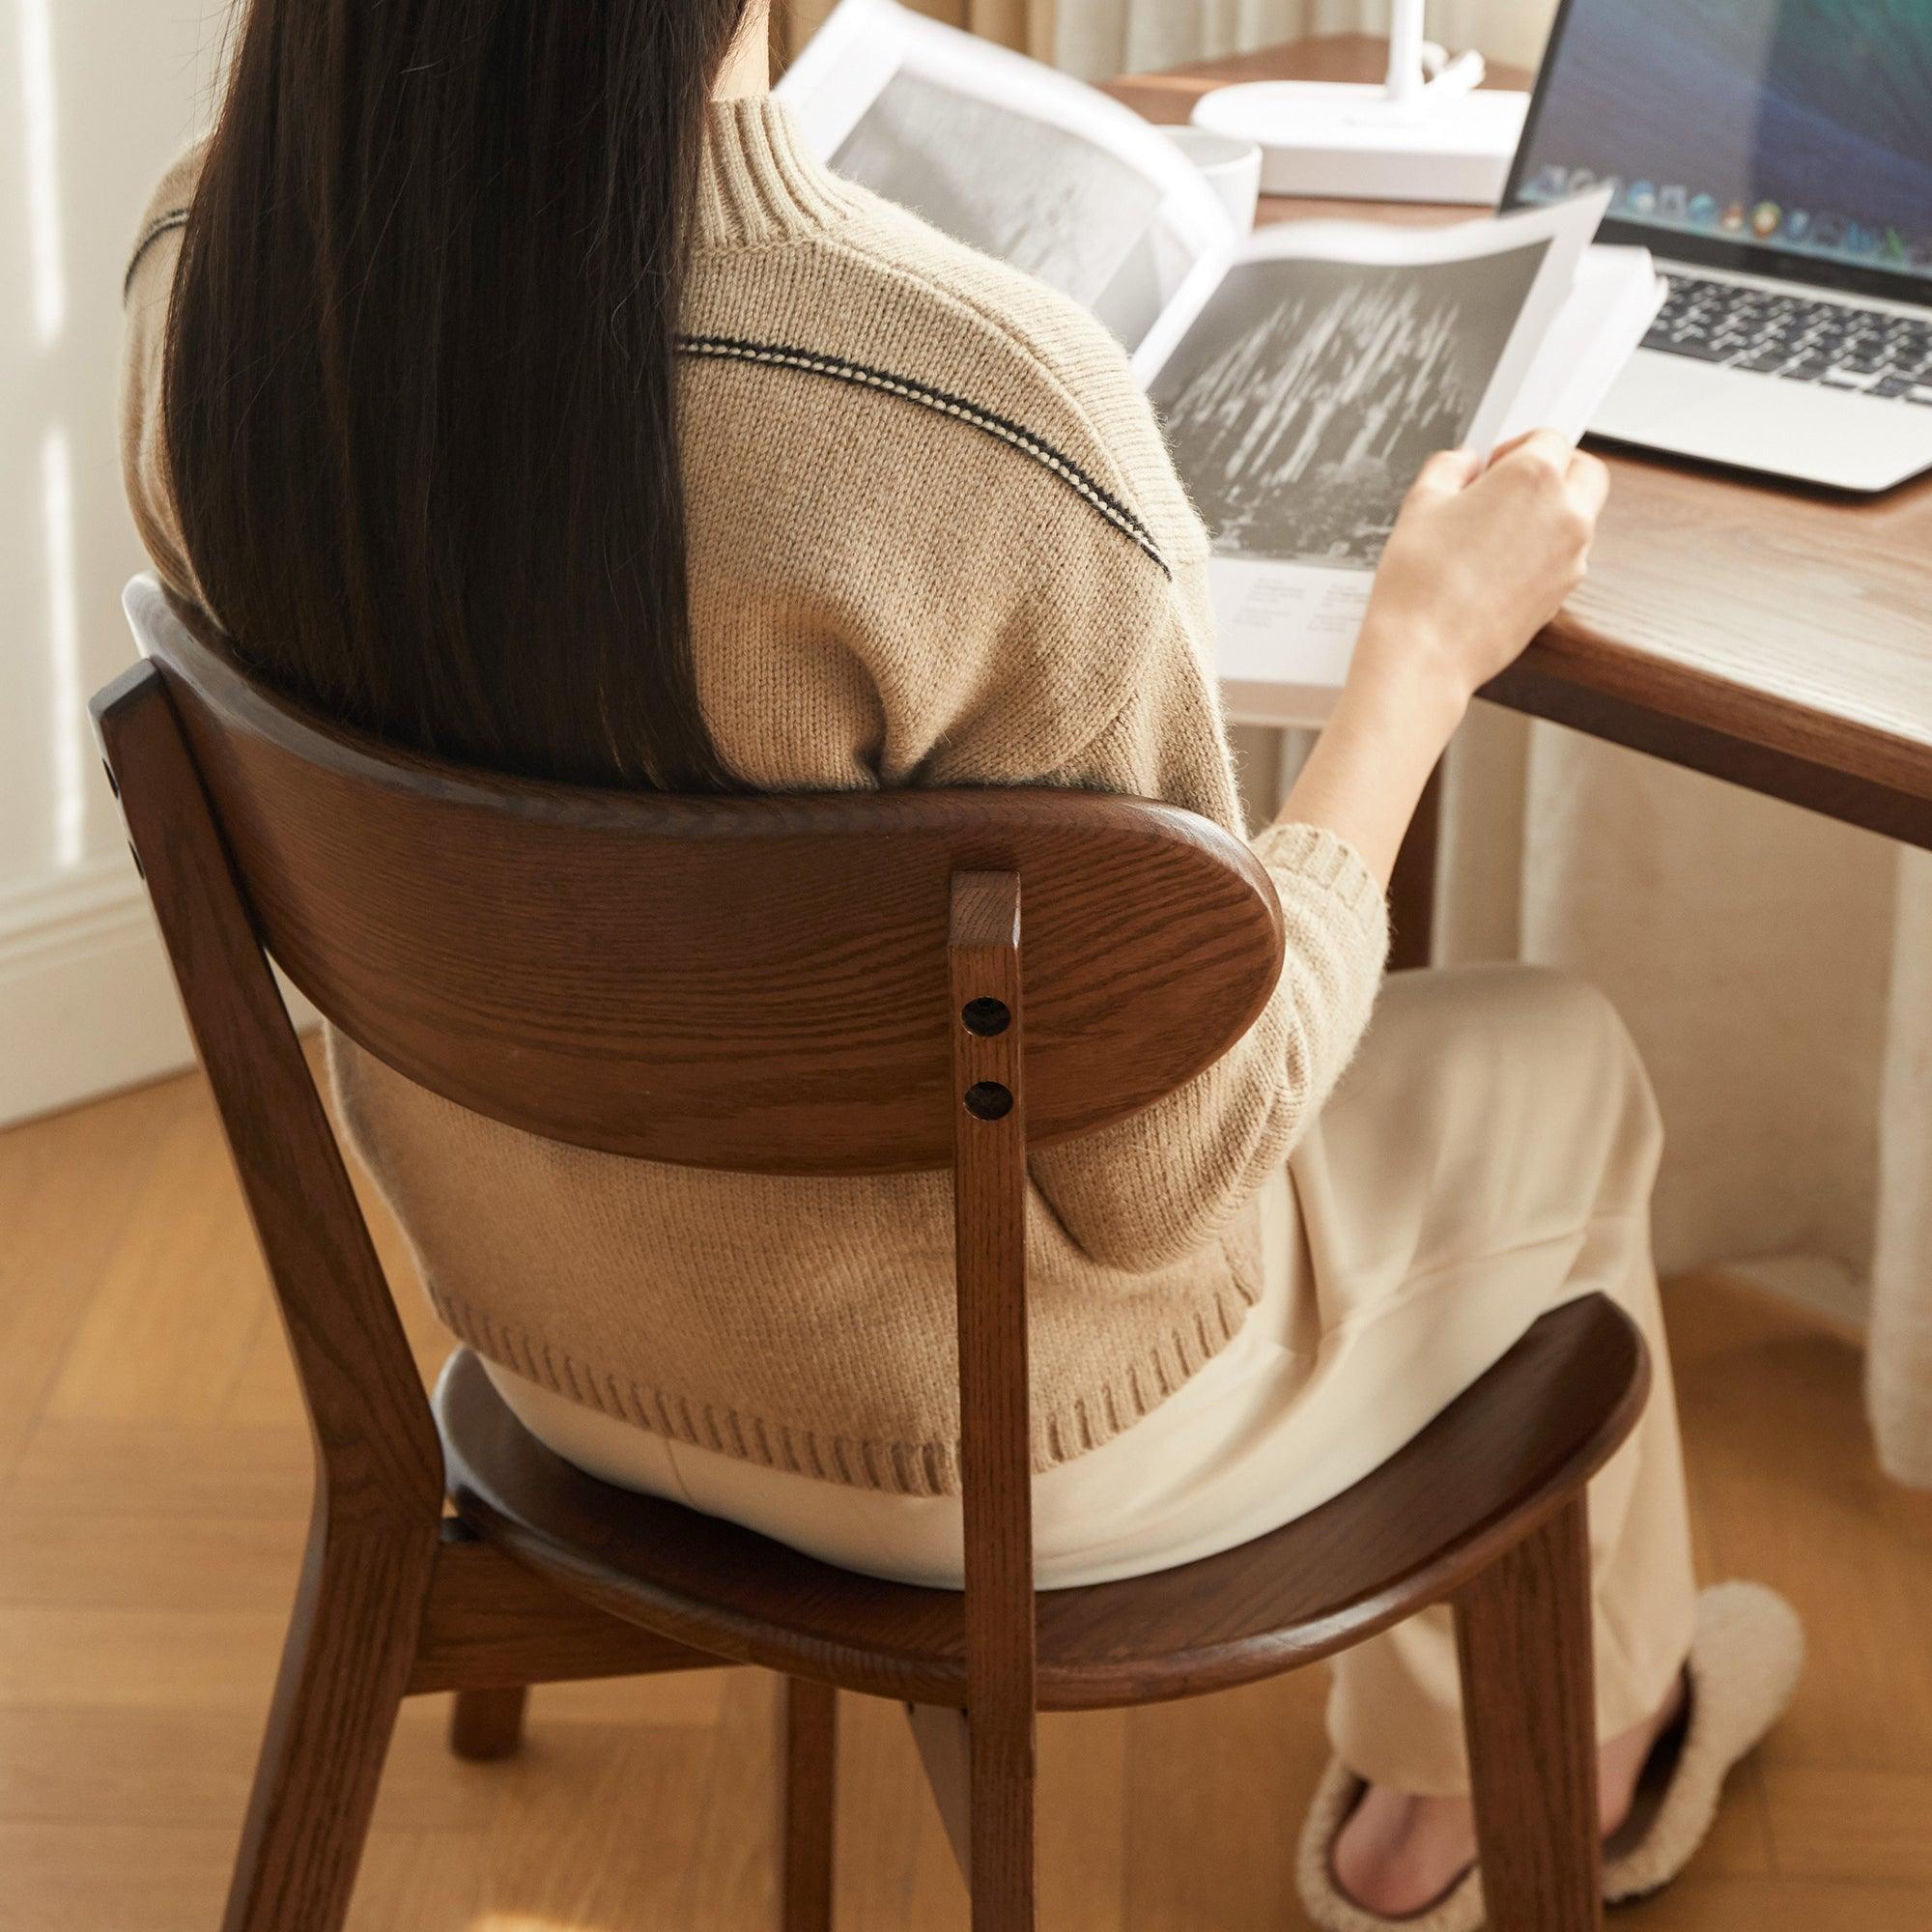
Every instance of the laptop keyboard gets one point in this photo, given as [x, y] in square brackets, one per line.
[1775, 333]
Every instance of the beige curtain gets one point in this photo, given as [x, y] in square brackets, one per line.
[1026, 24]
[1775, 968]
[1776, 971]
[1099, 37]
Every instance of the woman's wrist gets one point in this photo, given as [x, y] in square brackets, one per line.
[1404, 687]
[1393, 721]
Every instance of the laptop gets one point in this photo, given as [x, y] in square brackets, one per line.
[1775, 157]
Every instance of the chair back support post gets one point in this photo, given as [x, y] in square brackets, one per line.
[987, 1024]
[378, 1458]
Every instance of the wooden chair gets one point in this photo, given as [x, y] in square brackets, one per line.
[839, 984]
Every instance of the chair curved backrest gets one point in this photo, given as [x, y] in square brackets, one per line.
[835, 983]
[742, 982]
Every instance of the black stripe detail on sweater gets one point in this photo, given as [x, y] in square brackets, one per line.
[735, 349]
[784, 355]
[174, 217]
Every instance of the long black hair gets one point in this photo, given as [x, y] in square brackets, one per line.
[420, 394]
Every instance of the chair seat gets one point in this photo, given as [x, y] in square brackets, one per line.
[1484, 1473]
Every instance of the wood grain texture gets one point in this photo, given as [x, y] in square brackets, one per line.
[808, 1781]
[485, 1725]
[1785, 633]
[945, 1755]
[1498, 1460]
[351, 1641]
[379, 1553]
[1411, 889]
[751, 981]
[130, 1711]
[377, 1467]
[989, 1194]
[376, 1445]
[1634, 706]
[662, 977]
[61, 1243]
[1522, 1641]
[490, 1624]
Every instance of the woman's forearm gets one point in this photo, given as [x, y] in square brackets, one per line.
[1366, 774]
[1481, 557]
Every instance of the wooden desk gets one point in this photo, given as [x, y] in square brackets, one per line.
[1774, 637]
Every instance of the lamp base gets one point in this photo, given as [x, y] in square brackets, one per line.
[1326, 138]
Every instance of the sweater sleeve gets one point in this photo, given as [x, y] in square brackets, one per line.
[1151, 1188]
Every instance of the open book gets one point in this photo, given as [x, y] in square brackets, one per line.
[1008, 156]
[1304, 373]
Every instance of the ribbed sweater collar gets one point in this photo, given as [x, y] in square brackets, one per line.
[759, 183]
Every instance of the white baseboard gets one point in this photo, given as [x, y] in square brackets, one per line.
[1825, 1288]
[87, 1003]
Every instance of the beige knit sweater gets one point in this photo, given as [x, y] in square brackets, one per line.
[935, 540]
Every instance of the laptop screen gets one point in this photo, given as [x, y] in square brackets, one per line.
[1790, 137]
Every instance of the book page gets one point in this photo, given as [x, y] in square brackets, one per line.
[1306, 374]
[1008, 156]
[1617, 295]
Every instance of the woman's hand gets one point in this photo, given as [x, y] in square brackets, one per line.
[1480, 558]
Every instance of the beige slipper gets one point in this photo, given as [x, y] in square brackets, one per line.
[1743, 1666]
[1459, 1909]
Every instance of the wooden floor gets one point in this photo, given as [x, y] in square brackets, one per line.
[154, 1477]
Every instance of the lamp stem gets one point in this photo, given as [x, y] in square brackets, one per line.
[1404, 68]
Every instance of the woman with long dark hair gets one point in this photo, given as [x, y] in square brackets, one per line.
[508, 381]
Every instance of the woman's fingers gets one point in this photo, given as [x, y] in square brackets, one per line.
[1509, 448]
[1450, 471]
[1483, 554]
[1447, 473]
[1587, 484]
[1544, 448]
[1562, 476]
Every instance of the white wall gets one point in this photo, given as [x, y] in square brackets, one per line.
[96, 96]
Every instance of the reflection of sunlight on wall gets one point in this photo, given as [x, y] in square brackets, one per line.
[64, 647]
[48, 276]
[37, 122]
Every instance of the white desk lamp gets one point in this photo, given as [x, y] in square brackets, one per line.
[1413, 138]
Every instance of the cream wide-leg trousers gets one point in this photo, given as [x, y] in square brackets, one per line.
[1488, 1156]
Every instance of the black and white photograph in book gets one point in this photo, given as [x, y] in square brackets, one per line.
[1306, 396]
[1010, 185]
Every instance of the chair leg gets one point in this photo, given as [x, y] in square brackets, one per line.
[808, 1748]
[487, 1724]
[1522, 1632]
[982, 1781]
[346, 1663]
[1000, 1827]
